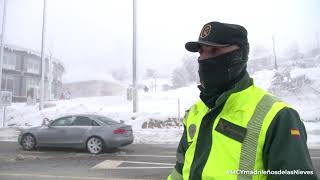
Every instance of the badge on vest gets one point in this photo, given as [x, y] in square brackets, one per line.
[231, 130]
[192, 130]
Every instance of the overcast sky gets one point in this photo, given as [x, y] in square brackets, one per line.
[93, 37]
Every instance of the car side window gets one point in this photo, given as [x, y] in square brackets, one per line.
[65, 121]
[107, 121]
[82, 121]
[94, 123]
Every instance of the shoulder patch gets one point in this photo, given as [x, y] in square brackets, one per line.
[295, 132]
[192, 130]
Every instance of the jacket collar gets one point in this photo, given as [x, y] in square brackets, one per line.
[219, 99]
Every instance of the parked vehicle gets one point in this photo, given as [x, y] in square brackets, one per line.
[92, 132]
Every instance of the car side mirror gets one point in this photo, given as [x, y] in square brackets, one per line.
[45, 122]
[49, 125]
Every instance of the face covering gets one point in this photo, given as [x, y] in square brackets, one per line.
[219, 73]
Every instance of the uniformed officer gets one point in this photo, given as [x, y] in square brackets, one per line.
[237, 130]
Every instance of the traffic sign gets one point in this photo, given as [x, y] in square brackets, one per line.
[5, 98]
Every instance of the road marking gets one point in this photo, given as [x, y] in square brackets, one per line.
[107, 164]
[111, 164]
[139, 155]
[65, 177]
[152, 163]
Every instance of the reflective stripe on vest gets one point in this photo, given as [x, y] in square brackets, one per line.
[253, 109]
[250, 143]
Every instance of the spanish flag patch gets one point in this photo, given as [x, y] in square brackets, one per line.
[295, 132]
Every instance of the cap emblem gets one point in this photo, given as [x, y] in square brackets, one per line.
[205, 31]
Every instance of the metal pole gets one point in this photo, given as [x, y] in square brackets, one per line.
[155, 85]
[274, 53]
[4, 116]
[178, 109]
[43, 55]
[317, 39]
[134, 60]
[2, 38]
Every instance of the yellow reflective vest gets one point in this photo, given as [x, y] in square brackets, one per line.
[238, 136]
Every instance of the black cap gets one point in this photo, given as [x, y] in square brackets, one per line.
[218, 34]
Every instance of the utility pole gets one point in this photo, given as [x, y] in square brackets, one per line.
[2, 38]
[317, 39]
[43, 55]
[274, 53]
[178, 109]
[134, 59]
[155, 84]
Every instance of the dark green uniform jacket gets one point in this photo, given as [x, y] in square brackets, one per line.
[281, 151]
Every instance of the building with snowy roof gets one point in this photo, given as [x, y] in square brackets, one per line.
[21, 74]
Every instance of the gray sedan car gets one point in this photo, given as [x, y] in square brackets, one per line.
[92, 132]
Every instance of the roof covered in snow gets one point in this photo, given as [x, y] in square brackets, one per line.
[12, 47]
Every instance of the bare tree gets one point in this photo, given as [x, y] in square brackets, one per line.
[187, 73]
[179, 78]
[190, 64]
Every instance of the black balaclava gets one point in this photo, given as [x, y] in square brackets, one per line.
[219, 74]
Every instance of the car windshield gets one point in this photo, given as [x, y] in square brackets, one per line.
[107, 120]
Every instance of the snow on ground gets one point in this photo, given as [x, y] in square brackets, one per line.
[160, 105]
[263, 78]
[312, 73]
[158, 136]
[9, 134]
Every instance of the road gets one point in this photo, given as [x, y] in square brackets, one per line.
[139, 161]
[130, 162]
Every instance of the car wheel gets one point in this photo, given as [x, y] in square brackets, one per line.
[95, 145]
[28, 142]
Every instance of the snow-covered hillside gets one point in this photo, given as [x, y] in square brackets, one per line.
[163, 105]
